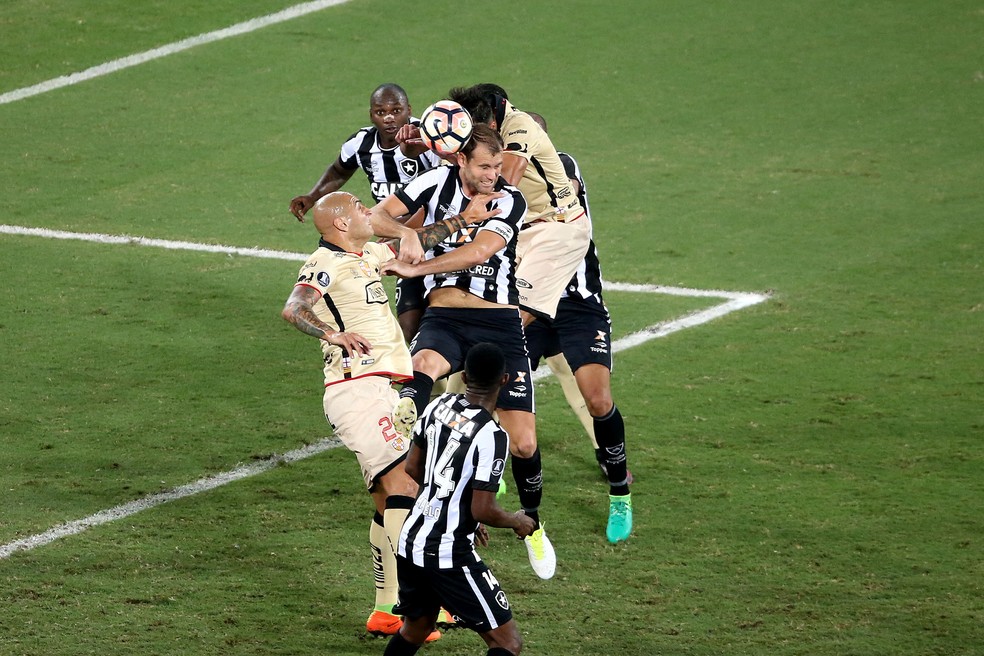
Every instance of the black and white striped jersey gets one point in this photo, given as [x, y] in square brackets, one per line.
[387, 170]
[466, 450]
[586, 284]
[439, 190]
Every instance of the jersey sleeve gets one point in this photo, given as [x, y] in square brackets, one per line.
[416, 193]
[520, 135]
[492, 449]
[349, 150]
[314, 274]
[513, 207]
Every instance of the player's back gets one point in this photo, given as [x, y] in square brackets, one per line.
[545, 184]
[466, 450]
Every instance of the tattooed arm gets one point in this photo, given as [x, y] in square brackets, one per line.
[299, 311]
[434, 234]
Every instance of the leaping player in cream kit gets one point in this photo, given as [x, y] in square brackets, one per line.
[339, 299]
[556, 232]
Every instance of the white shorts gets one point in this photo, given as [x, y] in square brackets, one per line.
[361, 413]
[549, 254]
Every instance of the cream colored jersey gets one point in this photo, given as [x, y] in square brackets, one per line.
[354, 300]
[545, 184]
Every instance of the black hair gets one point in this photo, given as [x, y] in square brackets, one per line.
[391, 87]
[484, 101]
[484, 365]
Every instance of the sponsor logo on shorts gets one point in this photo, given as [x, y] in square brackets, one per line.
[599, 349]
[601, 336]
[523, 283]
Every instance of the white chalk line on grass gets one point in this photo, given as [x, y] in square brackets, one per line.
[172, 48]
[734, 301]
[133, 507]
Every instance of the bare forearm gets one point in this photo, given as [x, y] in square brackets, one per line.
[332, 180]
[302, 317]
[432, 235]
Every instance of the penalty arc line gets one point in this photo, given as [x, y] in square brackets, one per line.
[170, 49]
[735, 301]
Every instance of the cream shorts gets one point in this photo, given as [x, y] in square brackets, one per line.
[361, 413]
[549, 254]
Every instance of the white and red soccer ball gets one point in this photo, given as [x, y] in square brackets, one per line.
[445, 127]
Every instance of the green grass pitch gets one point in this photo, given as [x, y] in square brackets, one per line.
[810, 475]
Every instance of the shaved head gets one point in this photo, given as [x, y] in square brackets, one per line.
[336, 205]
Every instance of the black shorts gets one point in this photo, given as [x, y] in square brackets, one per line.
[582, 331]
[410, 295]
[452, 331]
[470, 593]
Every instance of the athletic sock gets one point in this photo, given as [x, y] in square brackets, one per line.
[562, 372]
[397, 509]
[610, 433]
[499, 651]
[418, 389]
[400, 646]
[528, 474]
[383, 566]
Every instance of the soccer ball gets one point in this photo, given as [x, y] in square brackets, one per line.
[445, 127]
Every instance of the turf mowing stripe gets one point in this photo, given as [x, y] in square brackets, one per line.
[179, 46]
[735, 301]
[133, 507]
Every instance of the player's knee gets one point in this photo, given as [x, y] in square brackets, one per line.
[524, 448]
[599, 403]
[397, 482]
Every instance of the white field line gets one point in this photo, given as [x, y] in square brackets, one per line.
[733, 301]
[133, 507]
[169, 49]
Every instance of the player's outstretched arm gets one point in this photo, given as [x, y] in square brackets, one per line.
[408, 136]
[414, 463]
[331, 180]
[485, 510]
[299, 311]
[475, 252]
[385, 224]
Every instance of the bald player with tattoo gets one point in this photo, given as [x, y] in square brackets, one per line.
[340, 300]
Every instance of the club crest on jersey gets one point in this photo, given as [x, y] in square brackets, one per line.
[409, 167]
[365, 269]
